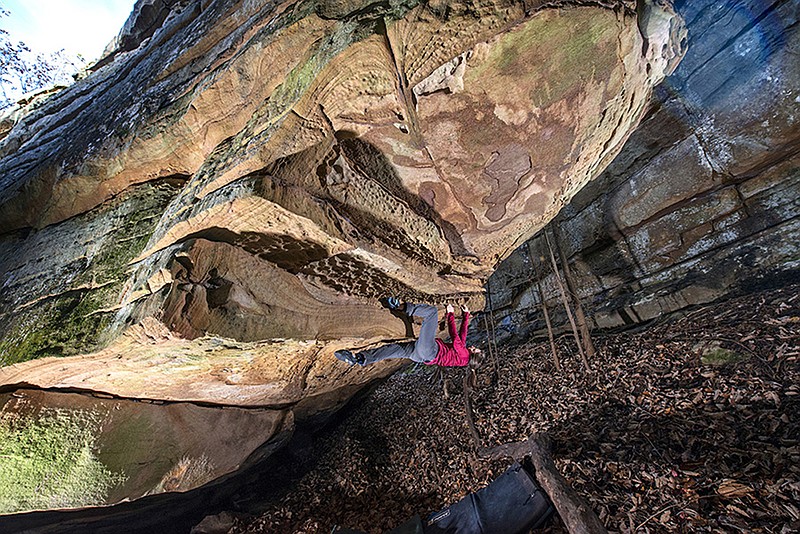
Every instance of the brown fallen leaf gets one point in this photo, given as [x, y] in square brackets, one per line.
[730, 488]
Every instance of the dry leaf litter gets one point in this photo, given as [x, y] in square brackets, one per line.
[687, 426]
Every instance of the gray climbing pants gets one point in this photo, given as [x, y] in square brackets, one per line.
[424, 349]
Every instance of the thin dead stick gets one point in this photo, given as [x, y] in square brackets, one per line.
[579, 315]
[565, 302]
[495, 364]
[488, 337]
[469, 376]
[673, 505]
[545, 311]
[573, 509]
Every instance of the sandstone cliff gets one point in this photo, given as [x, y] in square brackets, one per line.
[256, 171]
[219, 205]
[703, 199]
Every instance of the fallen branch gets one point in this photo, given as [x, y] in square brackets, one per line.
[656, 514]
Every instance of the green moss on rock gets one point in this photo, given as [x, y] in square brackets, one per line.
[719, 356]
[49, 461]
[70, 320]
[560, 53]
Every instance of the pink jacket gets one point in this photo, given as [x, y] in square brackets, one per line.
[453, 354]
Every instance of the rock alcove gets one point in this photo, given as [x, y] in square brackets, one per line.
[215, 209]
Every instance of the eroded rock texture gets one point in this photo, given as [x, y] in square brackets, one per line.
[220, 204]
[258, 170]
[157, 448]
[703, 199]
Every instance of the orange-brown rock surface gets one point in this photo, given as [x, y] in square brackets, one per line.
[703, 201]
[311, 157]
[220, 204]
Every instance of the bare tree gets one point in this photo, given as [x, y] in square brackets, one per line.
[22, 71]
[545, 310]
[565, 302]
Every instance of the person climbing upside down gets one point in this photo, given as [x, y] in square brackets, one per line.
[427, 349]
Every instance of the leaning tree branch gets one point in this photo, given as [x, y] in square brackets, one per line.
[565, 302]
[545, 311]
[583, 324]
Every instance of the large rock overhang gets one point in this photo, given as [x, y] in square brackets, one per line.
[331, 153]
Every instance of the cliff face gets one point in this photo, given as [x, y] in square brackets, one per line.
[254, 171]
[219, 205]
[703, 199]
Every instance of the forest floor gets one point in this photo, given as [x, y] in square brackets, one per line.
[691, 425]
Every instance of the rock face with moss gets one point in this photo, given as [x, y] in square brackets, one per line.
[217, 208]
[61, 282]
[66, 450]
[235, 173]
[253, 170]
[703, 199]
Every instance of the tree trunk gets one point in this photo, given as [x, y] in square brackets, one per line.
[545, 311]
[493, 340]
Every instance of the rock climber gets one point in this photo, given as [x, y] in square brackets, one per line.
[427, 349]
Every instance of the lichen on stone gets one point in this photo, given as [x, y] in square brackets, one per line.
[76, 300]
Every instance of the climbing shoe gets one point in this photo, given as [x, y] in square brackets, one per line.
[394, 303]
[349, 357]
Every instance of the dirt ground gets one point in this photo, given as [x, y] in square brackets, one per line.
[690, 425]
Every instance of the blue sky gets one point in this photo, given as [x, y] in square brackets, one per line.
[78, 26]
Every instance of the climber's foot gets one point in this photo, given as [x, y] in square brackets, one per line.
[349, 357]
[395, 303]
